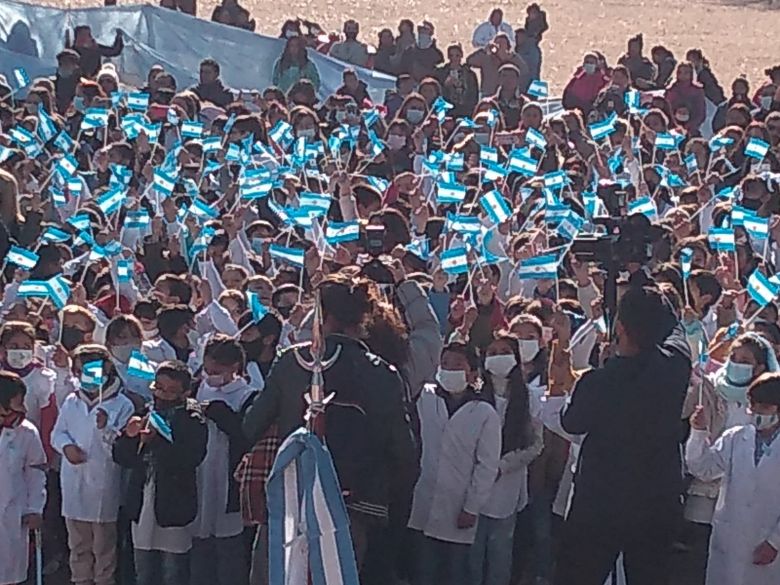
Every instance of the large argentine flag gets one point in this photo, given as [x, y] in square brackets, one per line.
[308, 527]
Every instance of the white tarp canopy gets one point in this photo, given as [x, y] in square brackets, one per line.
[157, 35]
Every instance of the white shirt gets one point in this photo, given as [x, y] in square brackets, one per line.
[460, 459]
[90, 490]
[148, 535]
[213, 520]
[486, 32]
[22, 491]
[40, 384]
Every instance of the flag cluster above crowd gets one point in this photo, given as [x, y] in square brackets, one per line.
[468, 239]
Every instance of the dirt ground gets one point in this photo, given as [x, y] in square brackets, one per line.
[738, 36]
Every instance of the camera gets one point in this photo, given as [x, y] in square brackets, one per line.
[375, 240]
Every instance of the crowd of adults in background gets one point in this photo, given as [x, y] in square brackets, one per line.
[503, 411]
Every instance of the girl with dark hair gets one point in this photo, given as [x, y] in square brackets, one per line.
[294, 65]
[505, 387]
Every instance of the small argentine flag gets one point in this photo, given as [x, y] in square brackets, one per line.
[447, 193]
[282, 134]
[488, 154]
[738, 215]
[535, 138]
[139, 366]
[200, 208]
[493, 172]
[666, 141]
[756, 227]
[124, 270]
[455, 261]
[22, 258]
[59, 291]
[600, 130]
[570, 225]
[464, 224]
[138, 102]
[756, 148]
[47, 129]
[719, 142]
[318, 201]
[259, 310]
[52, 234]
[293, 256]
[212, 144]
[112, 200]
[163, 182]
[722, 239]
[66, 166]
[496, 207]
[691, 163]
[686, 262]
[57, 196]
[257, 189]
[79, 221]
[159, 424]
[538, 89]
[521, 162]
[92, 374]
[420, 248]
[555, 179]
[190, 129]
[761, 289]
[539, 267]
[340, 232]
[64, 142]
[644, 206]
[21, 136]
[455, 162]
[33, 288]
[95, 118]
[21, 78]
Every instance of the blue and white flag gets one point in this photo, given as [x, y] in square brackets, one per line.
[92, 374]
[138, 101]
[47, 129]
[64, 142]
[203, 210]
[756, 148]
[539, 267]
[57, 196]
[282, 134]
[212, 144]
[535, 138]
[455, 162]
[464, 224]
[719, 142]
[33, 288]
[340, 232]
[691, 163]
[667, 141]
[26, 259]
[112, 200]
[57, 236]
[124, 270]
[75, 185]
[318, 201]
[686, 262]
[644, 206]
[21, 78]
[139, 366]
[538, 89]
[496, 207]
[493, 172]
[756, 227]
[600, 130]
[570, 225]
[521, 161]
[308, 524]
[454, 261]
[722, 239]
[66, 166]
[80, 221]
[159, 424]
[761, 289]
[447, 193]
[488, 154]
[59, 291]
[257, 189]
[420, 248]
[191, 129]
[95, 118]
[259, 310]
[292, 256]
[738, 215]
[555, 179]
[163, 182]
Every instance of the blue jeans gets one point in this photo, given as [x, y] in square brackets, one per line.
[219, 561]
[442, 562]
[155, 567]
[491, 553]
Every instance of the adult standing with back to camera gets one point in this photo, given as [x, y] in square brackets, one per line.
[629, 477]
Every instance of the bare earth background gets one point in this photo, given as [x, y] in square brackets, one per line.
[737, 36]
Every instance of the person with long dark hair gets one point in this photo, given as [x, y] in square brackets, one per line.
[294, 65]
[521, 442]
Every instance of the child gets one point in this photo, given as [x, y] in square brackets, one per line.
[218, 552]
[745, 527]
[89, 421]
[162, 497]
[461, 444]
[22, 481]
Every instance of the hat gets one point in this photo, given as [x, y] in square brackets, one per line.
[108, 70]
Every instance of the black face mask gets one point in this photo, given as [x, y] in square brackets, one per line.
[253, 349]
[751, 204]
[166, 405]
[72, 337]
[285, 311]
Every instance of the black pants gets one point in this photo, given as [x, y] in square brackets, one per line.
[591, 547]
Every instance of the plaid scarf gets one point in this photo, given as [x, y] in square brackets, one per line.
[252, 474]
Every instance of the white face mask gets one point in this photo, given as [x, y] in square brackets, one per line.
[193, 337]
[739, 374]
[307, 133]
[19, 358]
[589, 68]
[763, 421]
[529, 348]
[150, 333]
[424, 40]
[452, 381]
[414, 116]
[766, 102]
[500, 365]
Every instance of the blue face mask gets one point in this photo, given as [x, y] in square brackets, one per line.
[257, 245]
[78, 103]
[739, 374]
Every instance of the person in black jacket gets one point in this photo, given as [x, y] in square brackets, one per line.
[629, 478]
[366, 427]
[162, 497]
[90, 52]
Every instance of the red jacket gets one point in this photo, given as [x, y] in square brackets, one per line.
[582, 90]
[691, 96]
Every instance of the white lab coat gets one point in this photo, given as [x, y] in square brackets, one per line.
[460, 458]
[486, 32]
[748, 508]
[213, 520]
[40, 384]
[90, 491]
[22, 491]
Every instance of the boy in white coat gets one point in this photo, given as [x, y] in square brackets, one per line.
[461, 446]
[89, 421]
[22, 481]
[746, 524]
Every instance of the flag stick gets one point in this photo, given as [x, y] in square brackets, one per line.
[38, 556]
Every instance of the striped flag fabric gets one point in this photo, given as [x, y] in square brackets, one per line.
[756, 148]
[55, 235]
[538, 267]
[259, 310]
[124, 270]
[340, 232]
[495, 206]
[464, 224]
[455, 261]
[520, 161]
[191, 129]
[25, 259]
[538, 89]
[59, 290]
[203, 210]
[21, 78]
[112, 200]
[92, 374]
[644, 206]
[139, 366]
[292, 256]
[535, 138]
[686, 262]
[138, 101]
[447, 193]
[159, 424]
[33, 288]
[722, 239]
[761, 289]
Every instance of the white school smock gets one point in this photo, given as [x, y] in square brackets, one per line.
[213, 520]
[748, 508]
[460, 458]
[90, 490]
[40, 384]
[22, 491]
